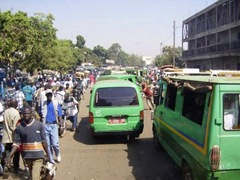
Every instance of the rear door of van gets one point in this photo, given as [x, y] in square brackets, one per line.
[229, 138]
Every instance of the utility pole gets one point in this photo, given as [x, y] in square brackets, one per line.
[174, 28]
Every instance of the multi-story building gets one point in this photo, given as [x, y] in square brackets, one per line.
[211, 37]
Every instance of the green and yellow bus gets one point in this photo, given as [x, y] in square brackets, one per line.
[197, 121]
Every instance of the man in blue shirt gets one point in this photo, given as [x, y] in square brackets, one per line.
[28, 92]
[52, 113]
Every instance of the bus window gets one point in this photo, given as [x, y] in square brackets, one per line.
[231, 112]
[170, 101]
[193, 106]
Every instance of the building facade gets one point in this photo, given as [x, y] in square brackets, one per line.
[211, 37]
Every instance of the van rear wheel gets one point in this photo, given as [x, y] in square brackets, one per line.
[187, 172]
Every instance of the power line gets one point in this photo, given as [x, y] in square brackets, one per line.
[167, 39]
[176, 27]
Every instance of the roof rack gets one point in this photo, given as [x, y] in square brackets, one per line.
[225, 73]
[184, 71]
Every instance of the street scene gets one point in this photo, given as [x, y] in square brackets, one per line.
[123, 90]
[112, 157]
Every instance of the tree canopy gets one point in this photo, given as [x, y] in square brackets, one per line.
[167, 56]
[30, 42]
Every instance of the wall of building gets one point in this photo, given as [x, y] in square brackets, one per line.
[212, 37]
[228, 63]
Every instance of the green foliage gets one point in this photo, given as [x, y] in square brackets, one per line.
[30, 43]
[24, 39]
[167, 57]
[135, 60]
[101, 53]
[80, 41]
[79, 56]
[16, 35]
[122, 58]
[44, 40]
[60, 57]
[113, 51]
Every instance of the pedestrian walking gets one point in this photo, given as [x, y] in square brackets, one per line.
[92, 80]
[59, 95]
[148, 95]
[19, 96]
[71, 105]
[28, 91]
[51, 114]
[11, 117]
[30, 133]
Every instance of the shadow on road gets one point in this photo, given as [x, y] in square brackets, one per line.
[146, 162]
[84, 136]
[150, 164]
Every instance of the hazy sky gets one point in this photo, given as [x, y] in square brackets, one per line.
[139, 26]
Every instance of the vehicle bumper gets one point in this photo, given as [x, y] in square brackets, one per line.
[135, 132]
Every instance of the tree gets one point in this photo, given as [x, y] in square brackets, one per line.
[101, 53]
[60, 57]
[122, 58]
[79, 56]
[135, 60]
[80, 41]
[167, 57]
[45, 39]
[113, 51]
[16, 35]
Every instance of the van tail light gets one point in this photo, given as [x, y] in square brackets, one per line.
[141, 115]
[215, 158]
[91, 120]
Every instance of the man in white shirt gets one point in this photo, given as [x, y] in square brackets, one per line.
[60, 94]
[70, 104]
[19, 96]
[69, 82]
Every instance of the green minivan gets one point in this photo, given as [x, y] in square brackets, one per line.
[197, 122]
[116, 108]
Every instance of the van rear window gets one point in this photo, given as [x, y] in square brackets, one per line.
[116, 96]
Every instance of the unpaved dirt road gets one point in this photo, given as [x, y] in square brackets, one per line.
[111, 158]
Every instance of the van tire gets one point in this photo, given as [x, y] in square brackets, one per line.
[156, 142]
[187, 172]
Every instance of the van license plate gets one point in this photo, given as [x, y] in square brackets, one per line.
[116, 121]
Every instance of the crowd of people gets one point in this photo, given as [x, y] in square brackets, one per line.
[36, 110]
[32, 117]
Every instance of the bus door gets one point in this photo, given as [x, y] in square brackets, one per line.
[230, 131]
